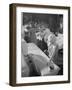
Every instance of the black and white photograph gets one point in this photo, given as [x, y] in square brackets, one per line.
[40, 41]
[41, 44]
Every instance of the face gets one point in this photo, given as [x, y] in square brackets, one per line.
[48, 40]
[42, 32]
[38, 36]
[51, 39]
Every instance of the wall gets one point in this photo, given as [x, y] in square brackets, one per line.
[4, 45]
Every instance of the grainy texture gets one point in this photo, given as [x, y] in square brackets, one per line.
[12, 64]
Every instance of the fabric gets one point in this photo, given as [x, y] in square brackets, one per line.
[41, 60]
[35, 62]
[24, 66]
[48, 71]
[24, 47]
[34, 49]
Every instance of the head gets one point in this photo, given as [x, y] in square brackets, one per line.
[51, 39]
[38, 35]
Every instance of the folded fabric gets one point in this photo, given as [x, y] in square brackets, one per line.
[41, 61]
[50, 71]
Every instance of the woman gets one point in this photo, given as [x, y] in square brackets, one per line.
[52, 47]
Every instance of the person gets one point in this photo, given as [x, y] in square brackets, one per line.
[52, 47]
[44, 66]
[40, 41]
